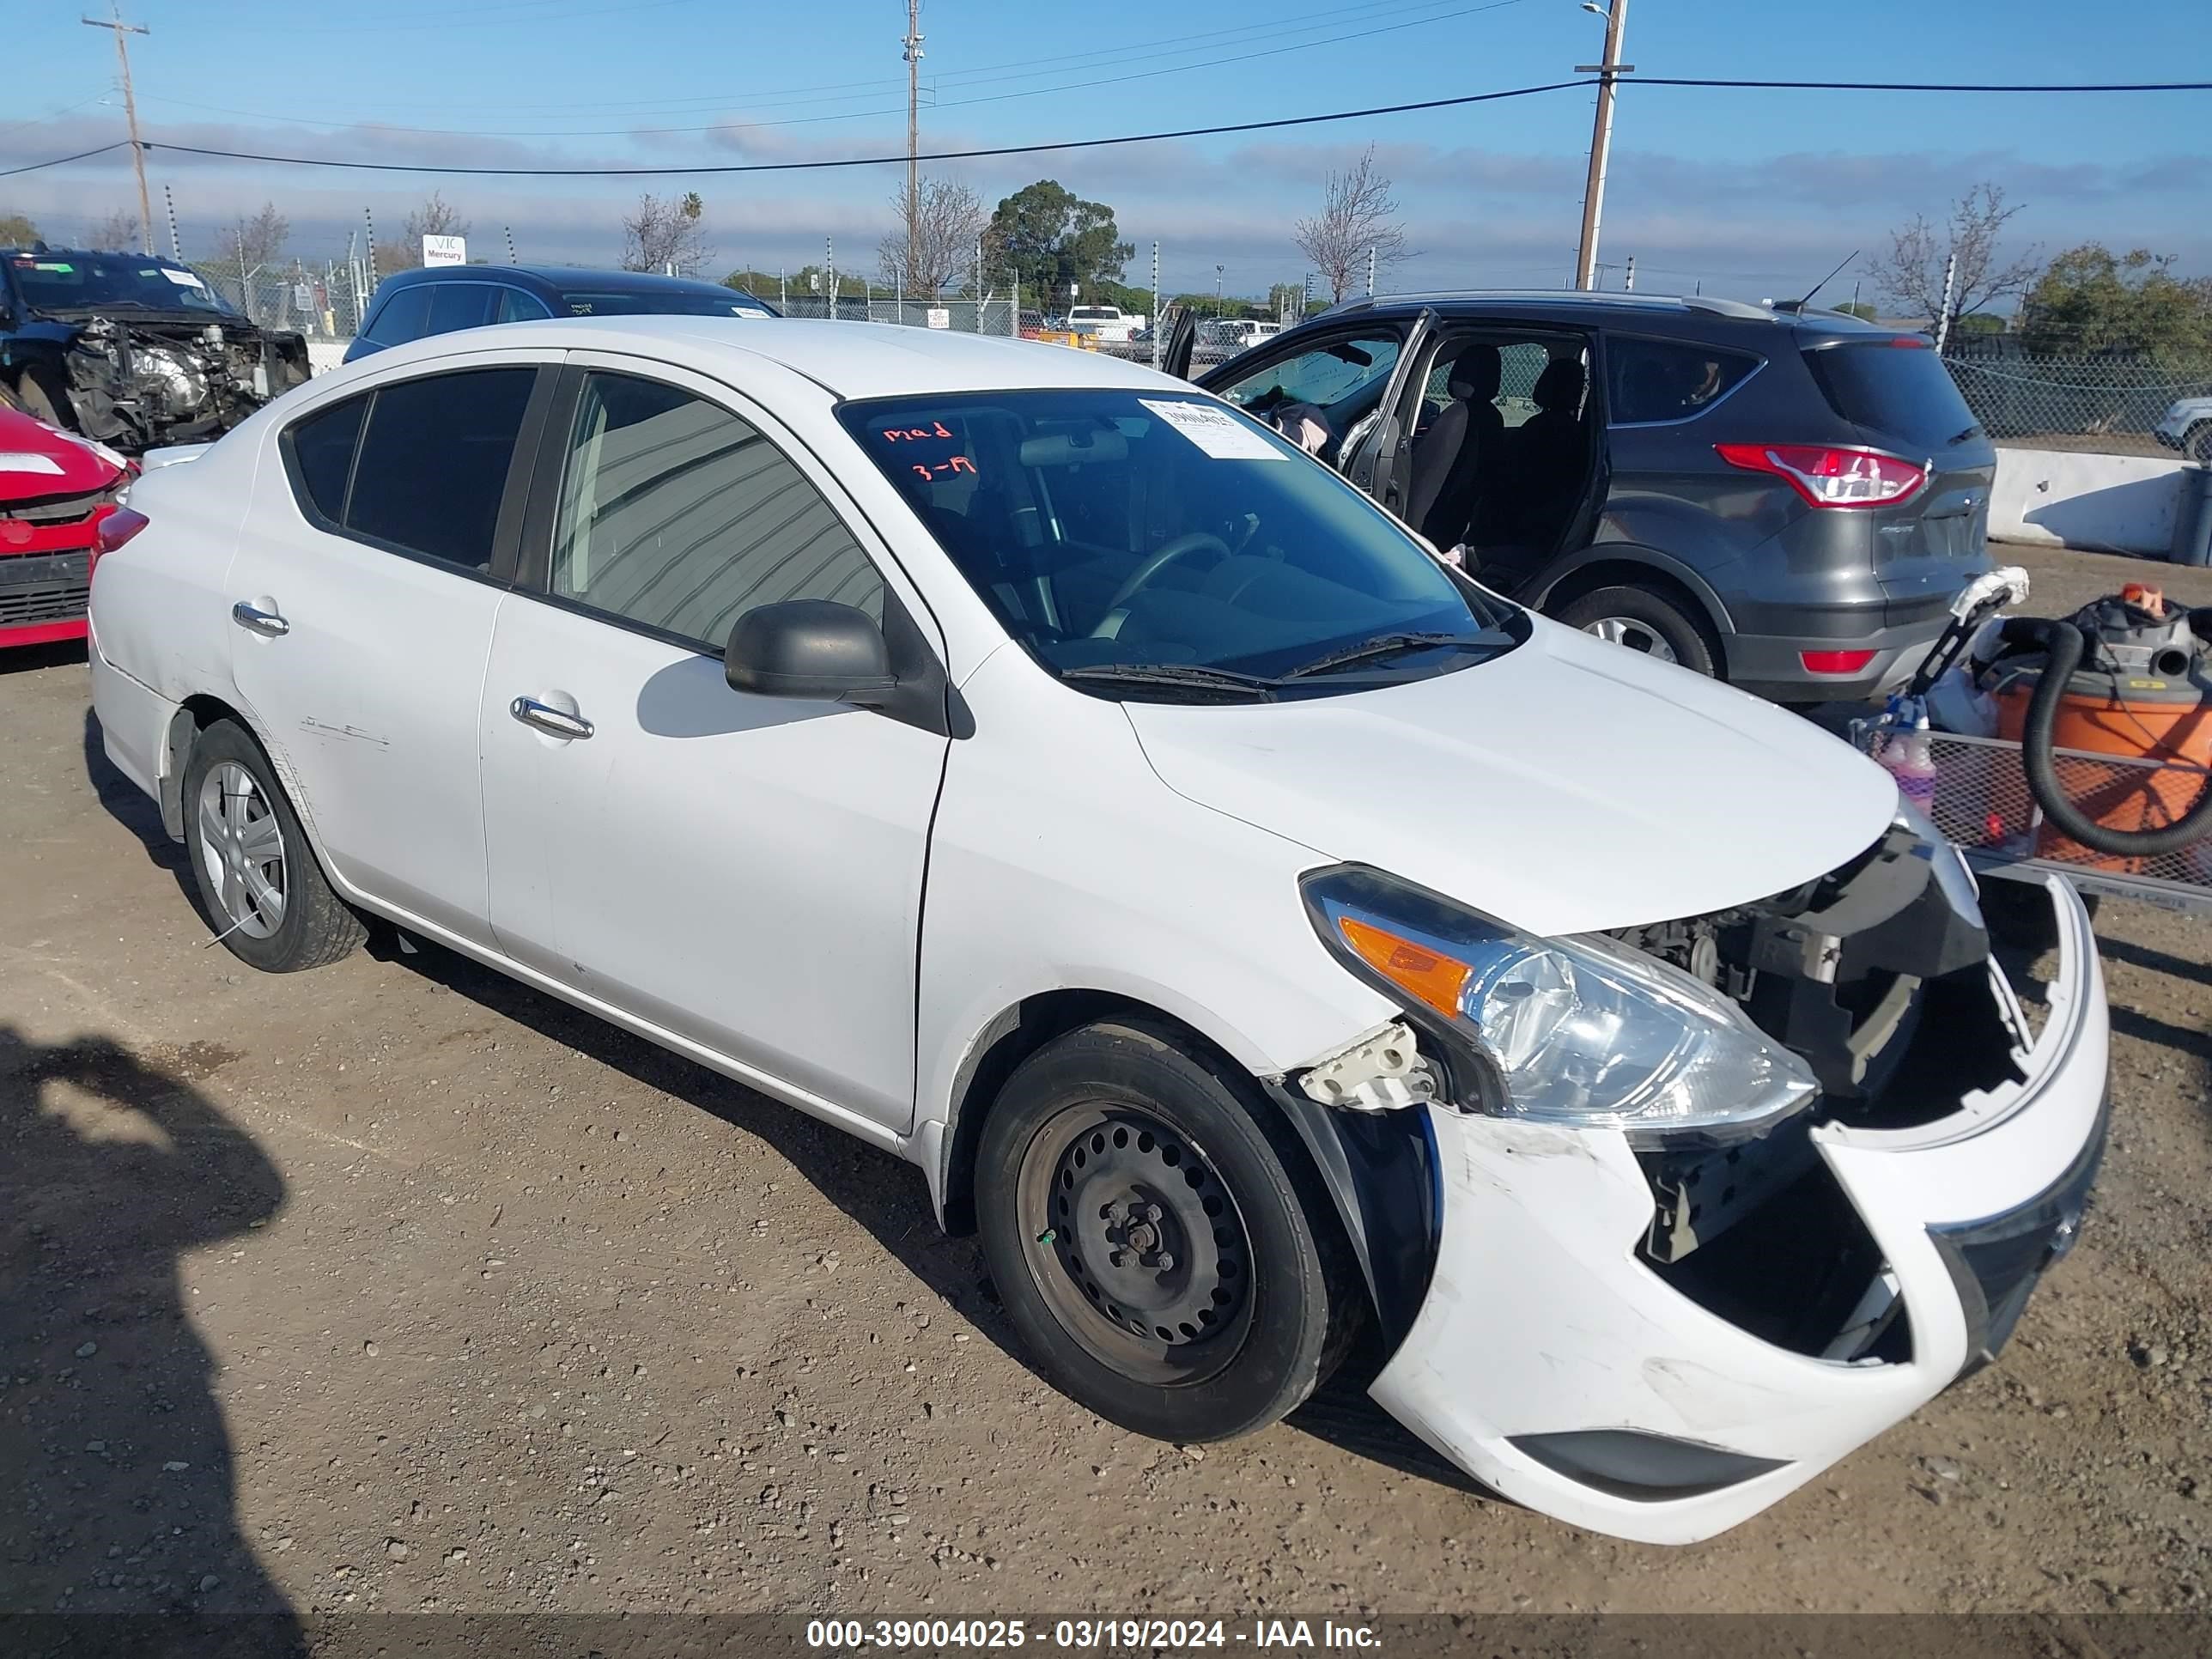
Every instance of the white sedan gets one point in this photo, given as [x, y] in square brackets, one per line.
[1256, 929]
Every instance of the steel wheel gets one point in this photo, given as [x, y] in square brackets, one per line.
[1136, 1243]
[1636, 635]
[242, 850]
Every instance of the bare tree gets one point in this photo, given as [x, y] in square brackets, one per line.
[116, 233]
[666, 234]
[1357, 213]
[261, 237]
[1910, 272]
[433, 216]
[937, 244]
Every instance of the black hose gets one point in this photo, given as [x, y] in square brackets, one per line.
[2063, 645]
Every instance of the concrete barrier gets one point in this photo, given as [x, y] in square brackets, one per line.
[2098, 503]
[324, 356]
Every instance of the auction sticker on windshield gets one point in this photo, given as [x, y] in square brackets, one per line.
[1216, 431]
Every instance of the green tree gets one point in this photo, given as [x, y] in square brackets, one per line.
[1052, 238]
[1858, 309]
[2090, 299]
[16, 230]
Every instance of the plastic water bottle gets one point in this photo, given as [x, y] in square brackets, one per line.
[1909, 757]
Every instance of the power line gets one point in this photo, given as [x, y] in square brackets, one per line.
[1226, 129]
[867, 161]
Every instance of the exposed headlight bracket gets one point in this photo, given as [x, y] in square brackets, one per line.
[1382, 1071]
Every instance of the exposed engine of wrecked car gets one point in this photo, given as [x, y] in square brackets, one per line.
[136, 383]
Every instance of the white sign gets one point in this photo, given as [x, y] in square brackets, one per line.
[444, 249]
[941, 317]
[1214, 431]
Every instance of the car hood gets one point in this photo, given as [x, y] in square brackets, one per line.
[36, 461]
[1566, 786]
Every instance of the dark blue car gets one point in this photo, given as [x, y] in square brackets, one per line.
[413, 304]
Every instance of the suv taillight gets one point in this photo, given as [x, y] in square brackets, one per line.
[1832, 476]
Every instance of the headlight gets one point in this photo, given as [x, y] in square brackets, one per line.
[1580, 1031]
[180, 381]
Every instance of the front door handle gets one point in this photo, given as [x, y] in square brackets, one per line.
[260, 621]
[554, 722]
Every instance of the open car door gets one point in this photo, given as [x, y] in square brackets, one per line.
[1182, 341]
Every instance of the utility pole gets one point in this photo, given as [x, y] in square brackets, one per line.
[1616, 22]
[114, 21]
[913, 44]
[1154, 330]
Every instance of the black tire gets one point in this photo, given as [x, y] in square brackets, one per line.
[1264, 1261]
[313, 926]
[39, 393]
[1686, 635]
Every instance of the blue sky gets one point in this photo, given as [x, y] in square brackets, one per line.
[1745, 192]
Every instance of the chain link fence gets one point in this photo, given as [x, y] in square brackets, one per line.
[2107, 403]
[322, 300]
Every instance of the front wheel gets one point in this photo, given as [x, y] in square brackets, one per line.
[1645, 620]
[1158, 1238]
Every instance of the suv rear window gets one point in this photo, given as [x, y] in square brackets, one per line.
[1896, 388]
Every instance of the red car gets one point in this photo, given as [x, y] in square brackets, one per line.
[55, 493]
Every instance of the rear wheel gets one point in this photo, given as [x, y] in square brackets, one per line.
[258, 877]
[1158, 1237]
[1644, 619]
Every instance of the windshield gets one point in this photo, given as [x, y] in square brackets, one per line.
[83, 281]
[646, 302]
[1113, 531]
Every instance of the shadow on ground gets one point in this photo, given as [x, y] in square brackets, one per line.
[116, 1479]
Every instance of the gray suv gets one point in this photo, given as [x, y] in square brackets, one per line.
[1785, 497]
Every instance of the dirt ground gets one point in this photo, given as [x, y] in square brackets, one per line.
[394, 1286]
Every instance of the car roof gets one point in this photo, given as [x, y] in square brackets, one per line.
[1572, 305]
[849, 360]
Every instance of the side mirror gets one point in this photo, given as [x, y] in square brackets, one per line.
[810, 649]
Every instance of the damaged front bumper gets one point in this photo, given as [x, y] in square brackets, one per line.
[1556, 1357]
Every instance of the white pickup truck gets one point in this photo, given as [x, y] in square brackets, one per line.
[1109, 322]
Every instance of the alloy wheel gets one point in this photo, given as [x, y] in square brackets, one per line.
[1636, 635]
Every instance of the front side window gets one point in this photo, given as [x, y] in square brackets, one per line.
[675, 515]
[1112, 530]
[1648, 380]
[1344, 378]
[433, 464]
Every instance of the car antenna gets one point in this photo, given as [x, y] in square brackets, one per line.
[1800, 304]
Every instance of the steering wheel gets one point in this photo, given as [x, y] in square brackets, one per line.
[1169, 552]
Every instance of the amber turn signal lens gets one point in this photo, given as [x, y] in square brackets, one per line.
[1435, 982]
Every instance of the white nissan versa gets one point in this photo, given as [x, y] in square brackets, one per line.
[1044, 772]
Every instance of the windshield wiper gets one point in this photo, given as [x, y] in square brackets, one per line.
[1383, 644]
[1195, 676]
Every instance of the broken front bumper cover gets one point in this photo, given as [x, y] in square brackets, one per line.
[1550, 1361]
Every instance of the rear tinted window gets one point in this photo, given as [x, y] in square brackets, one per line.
[1668, 380]
[460, 305]
[434, 463]
[405, 316]
[322, 456]
[1902, 394]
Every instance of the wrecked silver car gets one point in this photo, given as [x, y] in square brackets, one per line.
[133, 349]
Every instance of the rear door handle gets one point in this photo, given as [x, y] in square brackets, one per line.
[260, 621]
[554, 722]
